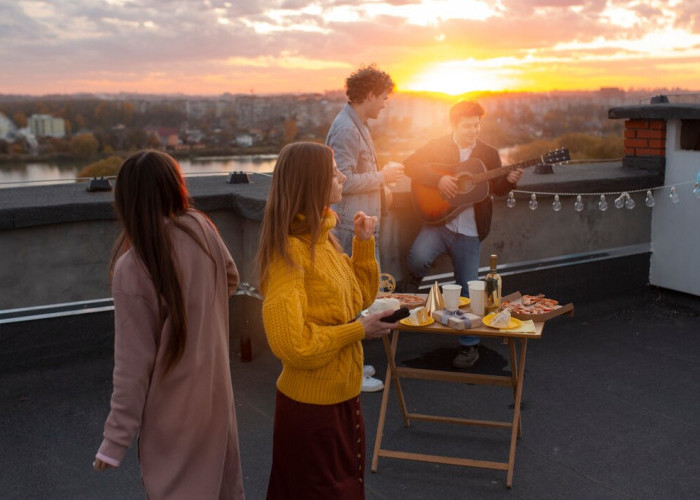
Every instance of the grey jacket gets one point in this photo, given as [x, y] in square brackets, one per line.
[356, 158]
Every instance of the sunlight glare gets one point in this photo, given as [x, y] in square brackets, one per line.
[460, 77]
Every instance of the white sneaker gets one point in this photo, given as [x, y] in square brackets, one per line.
[368, 370]
[370, 384]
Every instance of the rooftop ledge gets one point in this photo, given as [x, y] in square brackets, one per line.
[23, 207]
[659, 111]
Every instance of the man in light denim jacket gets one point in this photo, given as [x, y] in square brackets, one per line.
[367, 89]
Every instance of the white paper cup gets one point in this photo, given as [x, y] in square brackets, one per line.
[477, 295]
[450, 295]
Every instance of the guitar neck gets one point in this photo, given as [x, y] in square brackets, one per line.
[497, 172]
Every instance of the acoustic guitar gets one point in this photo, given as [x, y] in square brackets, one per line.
[472, 185]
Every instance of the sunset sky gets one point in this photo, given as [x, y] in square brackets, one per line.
[269, 46]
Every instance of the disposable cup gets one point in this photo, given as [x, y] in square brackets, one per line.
[450, 295]
[477, 296]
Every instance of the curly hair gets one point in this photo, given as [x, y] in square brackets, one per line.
[366, 80]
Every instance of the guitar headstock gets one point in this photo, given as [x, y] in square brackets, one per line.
[560, 155]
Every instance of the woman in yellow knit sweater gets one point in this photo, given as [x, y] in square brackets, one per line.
[313, 295]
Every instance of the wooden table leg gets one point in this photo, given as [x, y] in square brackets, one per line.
[514, 376]
[391, 357]
[382, 408]
[516, 412]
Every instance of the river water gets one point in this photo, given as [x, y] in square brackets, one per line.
[37, 174]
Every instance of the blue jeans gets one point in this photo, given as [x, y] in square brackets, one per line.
[433, 241]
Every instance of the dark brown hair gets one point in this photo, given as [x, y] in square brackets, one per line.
[149, 194]
[465, 108]
[366, 80]
[301, 185]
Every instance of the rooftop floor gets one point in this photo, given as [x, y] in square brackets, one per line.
[610, 411]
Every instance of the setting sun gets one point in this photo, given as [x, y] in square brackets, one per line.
[459, 77]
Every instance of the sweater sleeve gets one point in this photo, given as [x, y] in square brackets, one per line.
[292, 337]
[366, 269]
[134, 357]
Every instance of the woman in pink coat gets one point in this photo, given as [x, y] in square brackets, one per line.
[171, 279]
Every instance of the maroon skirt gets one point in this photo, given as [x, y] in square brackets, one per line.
[318, 451]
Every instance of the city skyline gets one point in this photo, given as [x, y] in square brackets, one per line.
[285, 46]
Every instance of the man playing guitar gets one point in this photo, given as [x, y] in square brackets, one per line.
[460, 233]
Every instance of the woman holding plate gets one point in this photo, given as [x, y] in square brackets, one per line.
[313, 295]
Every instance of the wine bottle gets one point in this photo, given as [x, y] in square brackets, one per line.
[493, 287]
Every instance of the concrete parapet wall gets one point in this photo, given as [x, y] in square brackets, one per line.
[56, 241]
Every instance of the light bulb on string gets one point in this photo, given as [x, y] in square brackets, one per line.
[510, 202]
[602, 204]
[649, 200]
[578, 204]
[556, 204]
[629, 202]
[674, 196]
[533, 202]
[620, 201]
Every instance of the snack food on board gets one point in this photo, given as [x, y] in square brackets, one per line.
[384, 304]
[406, 299]
[530, 304]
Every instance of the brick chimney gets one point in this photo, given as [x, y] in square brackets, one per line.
[645, 138]
[645, 133]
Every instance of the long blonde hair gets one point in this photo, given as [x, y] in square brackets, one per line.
[301, 185]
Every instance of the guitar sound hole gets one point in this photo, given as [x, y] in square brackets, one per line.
[464, 185]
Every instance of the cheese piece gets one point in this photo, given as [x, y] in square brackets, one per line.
[501, 320]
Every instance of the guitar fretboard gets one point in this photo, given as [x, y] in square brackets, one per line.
[497, 172]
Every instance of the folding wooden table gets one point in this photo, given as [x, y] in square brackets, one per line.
[395, 373]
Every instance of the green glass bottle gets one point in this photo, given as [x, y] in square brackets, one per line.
[493, 287]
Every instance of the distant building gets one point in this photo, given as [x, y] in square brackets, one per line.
[7, 128]
[46, 126]
[611, 93]
[167, 137]
[244, 140]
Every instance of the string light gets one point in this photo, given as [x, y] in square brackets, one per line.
[674, 196]
[602, 204]
[533, 202]
[510, 202]
[623, 199]
[620, 201]
[649, 200]
[556, 204]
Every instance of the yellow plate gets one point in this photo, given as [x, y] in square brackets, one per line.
[513, 323]
[463, 301]
[407, 321]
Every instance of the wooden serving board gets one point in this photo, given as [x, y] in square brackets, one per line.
[558, 310]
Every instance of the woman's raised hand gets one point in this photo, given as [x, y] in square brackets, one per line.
[364, 225]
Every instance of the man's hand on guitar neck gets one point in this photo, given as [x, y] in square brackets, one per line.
[514, 175]
[447, 186]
